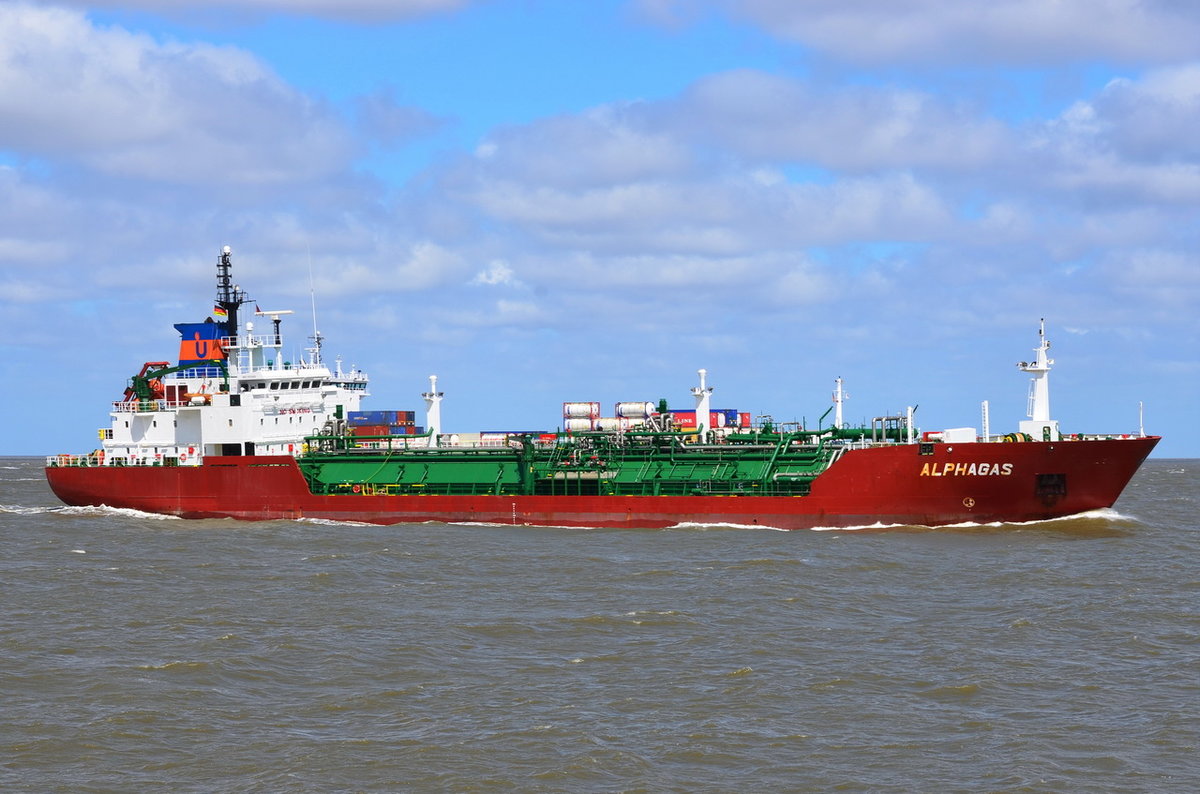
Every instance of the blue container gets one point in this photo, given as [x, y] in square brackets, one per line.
[371, 417]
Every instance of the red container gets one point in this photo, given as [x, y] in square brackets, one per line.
[369, 430]
[684, 418]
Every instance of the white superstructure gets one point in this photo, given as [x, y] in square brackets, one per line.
[249, 399]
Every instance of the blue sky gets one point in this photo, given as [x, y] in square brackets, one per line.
[545, 201]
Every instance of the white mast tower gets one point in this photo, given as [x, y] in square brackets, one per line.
[433, 411]
[1039, 426]
[839, 397]
[703, 395]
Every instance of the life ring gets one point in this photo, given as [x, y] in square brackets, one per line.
[356, 488]
[182, 457]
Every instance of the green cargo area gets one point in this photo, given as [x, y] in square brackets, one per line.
[660, 464]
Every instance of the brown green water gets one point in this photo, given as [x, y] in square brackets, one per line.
[148, 654]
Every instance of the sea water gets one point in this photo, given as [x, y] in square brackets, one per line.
[143, 653]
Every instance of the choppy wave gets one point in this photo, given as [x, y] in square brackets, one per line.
[1106, 514]
[333, 522]
[1102, 514]
[296, 656]
[101, 510]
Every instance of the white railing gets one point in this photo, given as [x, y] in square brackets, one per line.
[75, 460]
[138, 406]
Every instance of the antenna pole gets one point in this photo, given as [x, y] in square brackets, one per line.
[312, 292]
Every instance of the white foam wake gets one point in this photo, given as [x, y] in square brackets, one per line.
[101, 510]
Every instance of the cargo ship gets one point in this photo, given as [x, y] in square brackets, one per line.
[232, 429]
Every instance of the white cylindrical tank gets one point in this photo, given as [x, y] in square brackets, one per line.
[635, 410]
[577, 424]
[581, 410]
[609, 423]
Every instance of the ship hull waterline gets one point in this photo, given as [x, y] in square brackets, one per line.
[977, 483]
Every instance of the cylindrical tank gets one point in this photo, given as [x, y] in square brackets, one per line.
[577, 424]
[609, 423]
[638, 410]
[581, 410]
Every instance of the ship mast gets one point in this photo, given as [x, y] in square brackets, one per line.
[433, 411]
[229, 295]
[703, 395]
[839, 397]
[1039, 425]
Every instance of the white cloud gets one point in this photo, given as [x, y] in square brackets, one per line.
[131, 107]
[805, 283]
[603, 145]
[775, 118]
[998, 31]
[384, 119]
[497, 272]
[1132, 143]
[1165, 279]
[364, 11]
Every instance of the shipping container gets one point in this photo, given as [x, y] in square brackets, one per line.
[380, 417]
[716, 419]
[369, 430]
[684, 418]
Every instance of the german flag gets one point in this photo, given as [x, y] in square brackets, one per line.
[219, 311]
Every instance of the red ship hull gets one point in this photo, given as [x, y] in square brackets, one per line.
[895, 485]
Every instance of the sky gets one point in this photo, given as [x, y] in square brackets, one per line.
[544, 201]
